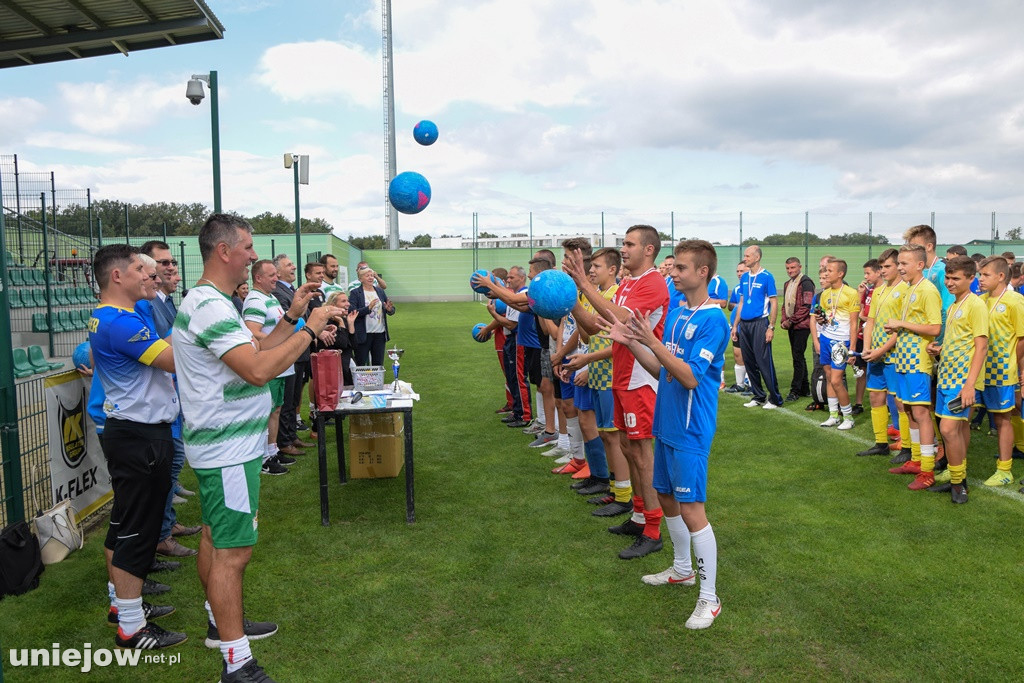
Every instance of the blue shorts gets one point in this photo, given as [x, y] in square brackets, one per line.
[604, 409]
[914, 388]
[944, 396]
[825, 356]
[999, 399]
[566, 390]
[684, 474]
[876, 376]
[891, 382]
[581, 397]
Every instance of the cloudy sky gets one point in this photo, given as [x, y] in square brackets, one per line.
[565, 109]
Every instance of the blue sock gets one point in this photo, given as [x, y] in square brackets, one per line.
[894, 414]
[596, 458]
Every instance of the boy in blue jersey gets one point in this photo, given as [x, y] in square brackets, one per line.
[688, 359]
[132, 364]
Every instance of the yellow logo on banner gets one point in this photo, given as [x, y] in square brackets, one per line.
[72, 429]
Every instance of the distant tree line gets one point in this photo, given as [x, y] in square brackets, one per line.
[798, 237]
[148, 220]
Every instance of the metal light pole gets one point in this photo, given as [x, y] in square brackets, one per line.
[299, 163]
[194, 93]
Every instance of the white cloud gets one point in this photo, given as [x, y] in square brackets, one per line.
[113, 107]
[78, 142]
[18, 115]
[321, 70]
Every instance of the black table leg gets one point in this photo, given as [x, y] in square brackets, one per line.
[321, 453]
[339, 441]
[410, 505]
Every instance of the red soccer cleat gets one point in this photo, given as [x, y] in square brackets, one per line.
[898, 446]
[571, 467]
[922, 481]
[909, 467]
[893, 432]
[583, 473]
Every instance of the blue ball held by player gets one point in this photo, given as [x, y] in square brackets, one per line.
[552, 294]
[80, 356]
[409, 192]
[476, 330]
[425, 132]
[479, 289]
[500, 307]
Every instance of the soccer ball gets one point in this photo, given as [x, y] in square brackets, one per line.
[409, 192]
[552, 294]
[80, 356]
[425, 132]
[476, 331]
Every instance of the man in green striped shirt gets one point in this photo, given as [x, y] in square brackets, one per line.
[223, 377]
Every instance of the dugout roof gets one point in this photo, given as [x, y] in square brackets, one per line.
[42, 31]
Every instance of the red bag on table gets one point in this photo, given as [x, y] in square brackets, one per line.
[327, 379]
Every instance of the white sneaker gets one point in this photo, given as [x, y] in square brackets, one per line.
[704, 614]
[668, 576]
[752, 403]
[768, 405]
[555, 452]
[847, 423]
[564, 459]
[830, 422]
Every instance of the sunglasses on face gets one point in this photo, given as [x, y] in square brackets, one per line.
[167, 262]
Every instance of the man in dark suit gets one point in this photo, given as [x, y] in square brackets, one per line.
[164, 312]
[287, 434]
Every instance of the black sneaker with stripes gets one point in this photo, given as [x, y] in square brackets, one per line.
[148, 611]
[149, 637]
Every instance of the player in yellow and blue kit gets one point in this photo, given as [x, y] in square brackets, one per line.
[919, 323]
[879, 311]
[962, 357]
[837, 326]
[689, 360]
[998, 384]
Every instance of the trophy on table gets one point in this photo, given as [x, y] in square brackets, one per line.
[395, 354]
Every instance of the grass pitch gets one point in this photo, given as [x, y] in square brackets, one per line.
[829, 568]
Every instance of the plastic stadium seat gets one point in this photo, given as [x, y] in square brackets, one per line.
[65, 322]
[85, 294]
[14, 296]
[17, 278]
[37, 276]
[39, 296]
[22, 368]
[83, 317]
[75, 295]
[60, 296]
[38, 361]
[39, 323]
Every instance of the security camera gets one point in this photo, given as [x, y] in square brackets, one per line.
[194, 91]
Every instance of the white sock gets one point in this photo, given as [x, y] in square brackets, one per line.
[130, 617]
[915, 436]
[266, 453]
[741, 374]
[572, 427]
[209, 613]
[705, 549]
[833, 405]
[723, 374]
[111, 594]
[680, 536]
[638, 517]
[563, 441]
[236, 653]
[847, 410]
[927, 450]
[540, 409]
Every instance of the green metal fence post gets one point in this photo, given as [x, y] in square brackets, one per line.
[46, 273]
[871, 240]
[992, 236]
[672, 221]
[17, 204]
[9, 439]
[88, 216]
[181, 262]
[807, 230]
[126, 226]
[165, 231]
[99, 233]
[602, 230]
[741, 233]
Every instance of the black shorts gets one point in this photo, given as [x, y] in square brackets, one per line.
[139, 461]
[857, 360]
[531, 365]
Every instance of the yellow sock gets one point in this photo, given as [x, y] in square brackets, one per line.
[915, 446]
[957, 473]
[904, 429]
[1018, 431]
[1004, 465]
[623, 494]
[927, 463]
[879, 417]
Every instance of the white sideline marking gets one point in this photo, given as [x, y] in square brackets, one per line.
[975, 484]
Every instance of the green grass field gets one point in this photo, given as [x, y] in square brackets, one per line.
[828, 567]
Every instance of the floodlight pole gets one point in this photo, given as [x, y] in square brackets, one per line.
[298, 224]
[215, 137]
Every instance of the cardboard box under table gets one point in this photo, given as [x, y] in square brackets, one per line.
[381, 442]
[376, 446]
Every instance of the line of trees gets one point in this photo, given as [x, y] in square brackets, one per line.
[797, 238]
[150, 219]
